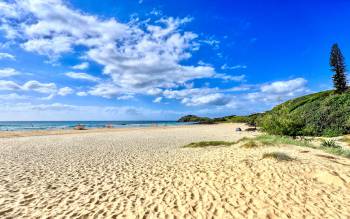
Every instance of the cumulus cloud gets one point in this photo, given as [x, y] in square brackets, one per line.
[282, 87]
[216, 99]
[280, 91]
[198, 96]
[137, 56]
[65, 91]
[81, 66]
[8, 72]
[82, 76]
[6, 55]
[46, 88]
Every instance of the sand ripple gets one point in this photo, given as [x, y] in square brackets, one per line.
[145, 174]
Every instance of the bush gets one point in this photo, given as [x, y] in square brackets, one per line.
[282, 123]
[319, 114]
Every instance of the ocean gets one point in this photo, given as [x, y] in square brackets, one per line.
[49, 125]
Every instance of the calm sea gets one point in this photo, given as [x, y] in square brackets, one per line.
[46, 125]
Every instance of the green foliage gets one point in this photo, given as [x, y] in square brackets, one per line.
[320, 114]
[277, 156]
[250, 119]
[338, 67]
[282, 123]
[278, 140]
[193, 118]
[330, 144]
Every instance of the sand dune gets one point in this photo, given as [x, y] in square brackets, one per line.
[144, 173]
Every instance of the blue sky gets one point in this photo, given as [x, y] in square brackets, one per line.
[159, 60]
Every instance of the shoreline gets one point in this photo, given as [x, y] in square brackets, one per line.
[70, 131]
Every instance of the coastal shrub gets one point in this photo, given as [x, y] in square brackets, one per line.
[320, 114]
[279, 156]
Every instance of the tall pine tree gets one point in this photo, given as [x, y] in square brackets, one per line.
[338, 67]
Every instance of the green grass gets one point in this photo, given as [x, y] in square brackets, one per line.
[276, 140]
[273, 140]
[279, 156]
[337, 151]
[208, 144]
[330, 144]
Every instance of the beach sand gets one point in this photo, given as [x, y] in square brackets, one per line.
[145, 173]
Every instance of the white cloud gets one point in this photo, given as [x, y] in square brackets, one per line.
[52, 107]
[82, 66]
[198, 96]
[154, 91]
[225, 77]
[65, 91]
[12, 96]
[157, 100]
[9, 85]
[106, 90]
[46, 88]
[125, 97]
[81, 76]
[216, 99]
[82, 94]
[279, 87]
[137, 56]
[60, 111]
[280, 91]
[227, 67]
[8, 72]
[7, 56]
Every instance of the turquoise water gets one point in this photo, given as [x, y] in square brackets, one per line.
[47, 125]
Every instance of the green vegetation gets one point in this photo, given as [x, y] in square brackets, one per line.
[338, 67]
[337, 151]
[193, 118]
[279, 156]
[330, 144]
[208, 144]
[250, 119]
[278, 140]
[274, 140]
[321, 114]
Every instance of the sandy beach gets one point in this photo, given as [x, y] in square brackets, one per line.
[145, 173]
